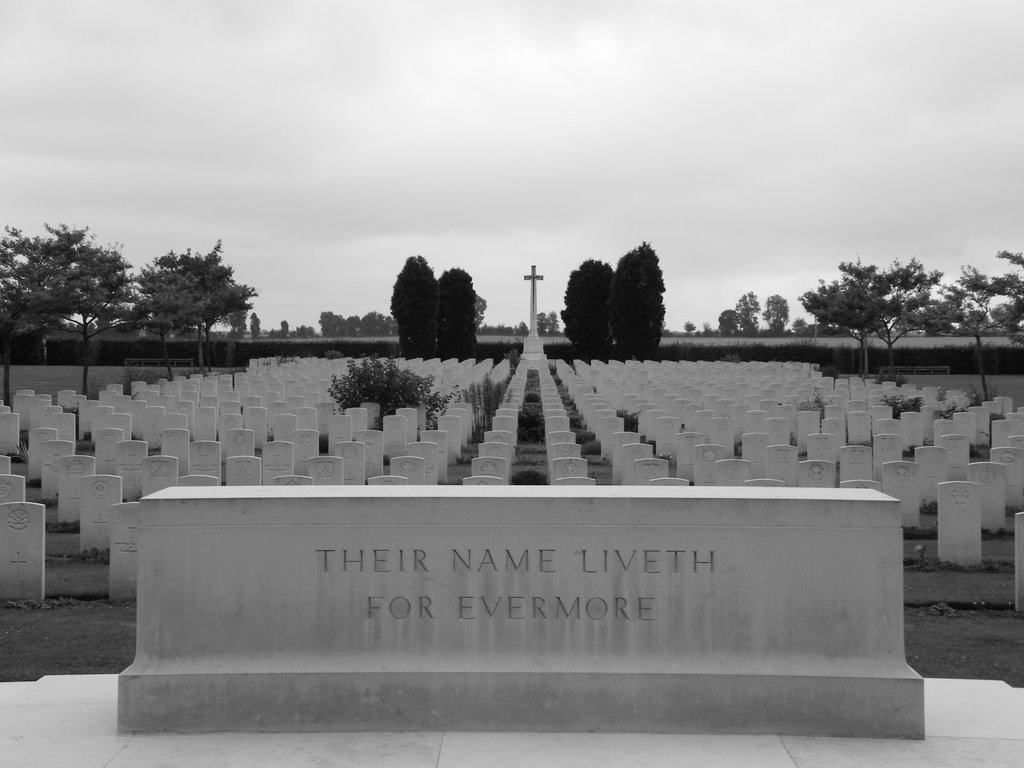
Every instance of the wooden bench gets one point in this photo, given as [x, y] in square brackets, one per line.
[914, 370]
[158, 362]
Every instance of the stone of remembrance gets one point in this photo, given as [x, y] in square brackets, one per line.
[648, 609]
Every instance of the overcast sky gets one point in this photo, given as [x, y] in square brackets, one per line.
[755, 145]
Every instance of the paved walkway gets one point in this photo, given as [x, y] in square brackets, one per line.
[71, 721]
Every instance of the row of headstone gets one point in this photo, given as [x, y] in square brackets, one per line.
[93, 489]
[971, 495]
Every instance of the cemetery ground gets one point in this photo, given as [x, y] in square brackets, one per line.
[959, 623]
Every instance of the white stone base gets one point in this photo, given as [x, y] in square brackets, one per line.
[293, 701]
[967, 721]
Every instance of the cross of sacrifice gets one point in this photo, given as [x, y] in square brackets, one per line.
[533, 277]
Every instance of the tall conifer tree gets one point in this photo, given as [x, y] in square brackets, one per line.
[636, 306]
[456, 315]
[585, 316]
[414, 304]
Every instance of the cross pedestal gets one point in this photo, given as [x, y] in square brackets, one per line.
[533, 347]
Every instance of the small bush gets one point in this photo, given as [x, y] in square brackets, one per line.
[590, 448]
[814, 403]
[529, 477]
[531, 397]
[531, 426]
[901, 404]
[380, 380]
[630, 420]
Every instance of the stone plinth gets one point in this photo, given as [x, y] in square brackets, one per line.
[533, 349]
[702, 610]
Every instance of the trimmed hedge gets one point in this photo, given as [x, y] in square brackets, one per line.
[113, 349]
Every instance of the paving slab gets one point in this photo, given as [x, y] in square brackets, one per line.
[71, 721]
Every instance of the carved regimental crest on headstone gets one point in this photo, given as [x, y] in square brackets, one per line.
[18, 519]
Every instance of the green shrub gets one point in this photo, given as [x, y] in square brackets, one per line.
[630, 420]
[531, 397]
[380, 380]
[529, 477]
[531, 426]
[901, 404]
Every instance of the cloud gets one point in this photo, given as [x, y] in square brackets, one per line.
[754, 145]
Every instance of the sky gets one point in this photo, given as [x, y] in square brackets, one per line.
[754, 145]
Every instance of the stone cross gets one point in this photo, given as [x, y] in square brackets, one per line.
[17, 564]
[533, 277]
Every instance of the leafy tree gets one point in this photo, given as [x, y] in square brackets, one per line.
[850, 303]
[330, 325]
[1013, 284]
[284, 329]
[305, 332]
[25, 275]
[776, 314]
[728, 323]
[903, 292]
[689, 328]
[237, 323]
[553, 326]
[165, 304]
[636, 307]
[414, 304]
[213, 290]
[547, 323]
[969, 308]
[90, 290]
[801, 328]
[479, 309]
[747, 310]
[706, 329]
[254, 326]
[586, 310]
[380, 380]
[376, 324]
[456, 315]
[521, 330]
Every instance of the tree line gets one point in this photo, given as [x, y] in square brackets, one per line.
[897, 300]
[66, 280]
[745, 318]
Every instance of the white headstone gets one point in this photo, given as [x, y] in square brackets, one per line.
[22, 551]
[98, 493]
[959, 523]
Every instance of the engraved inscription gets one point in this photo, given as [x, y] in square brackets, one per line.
[541, 605]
